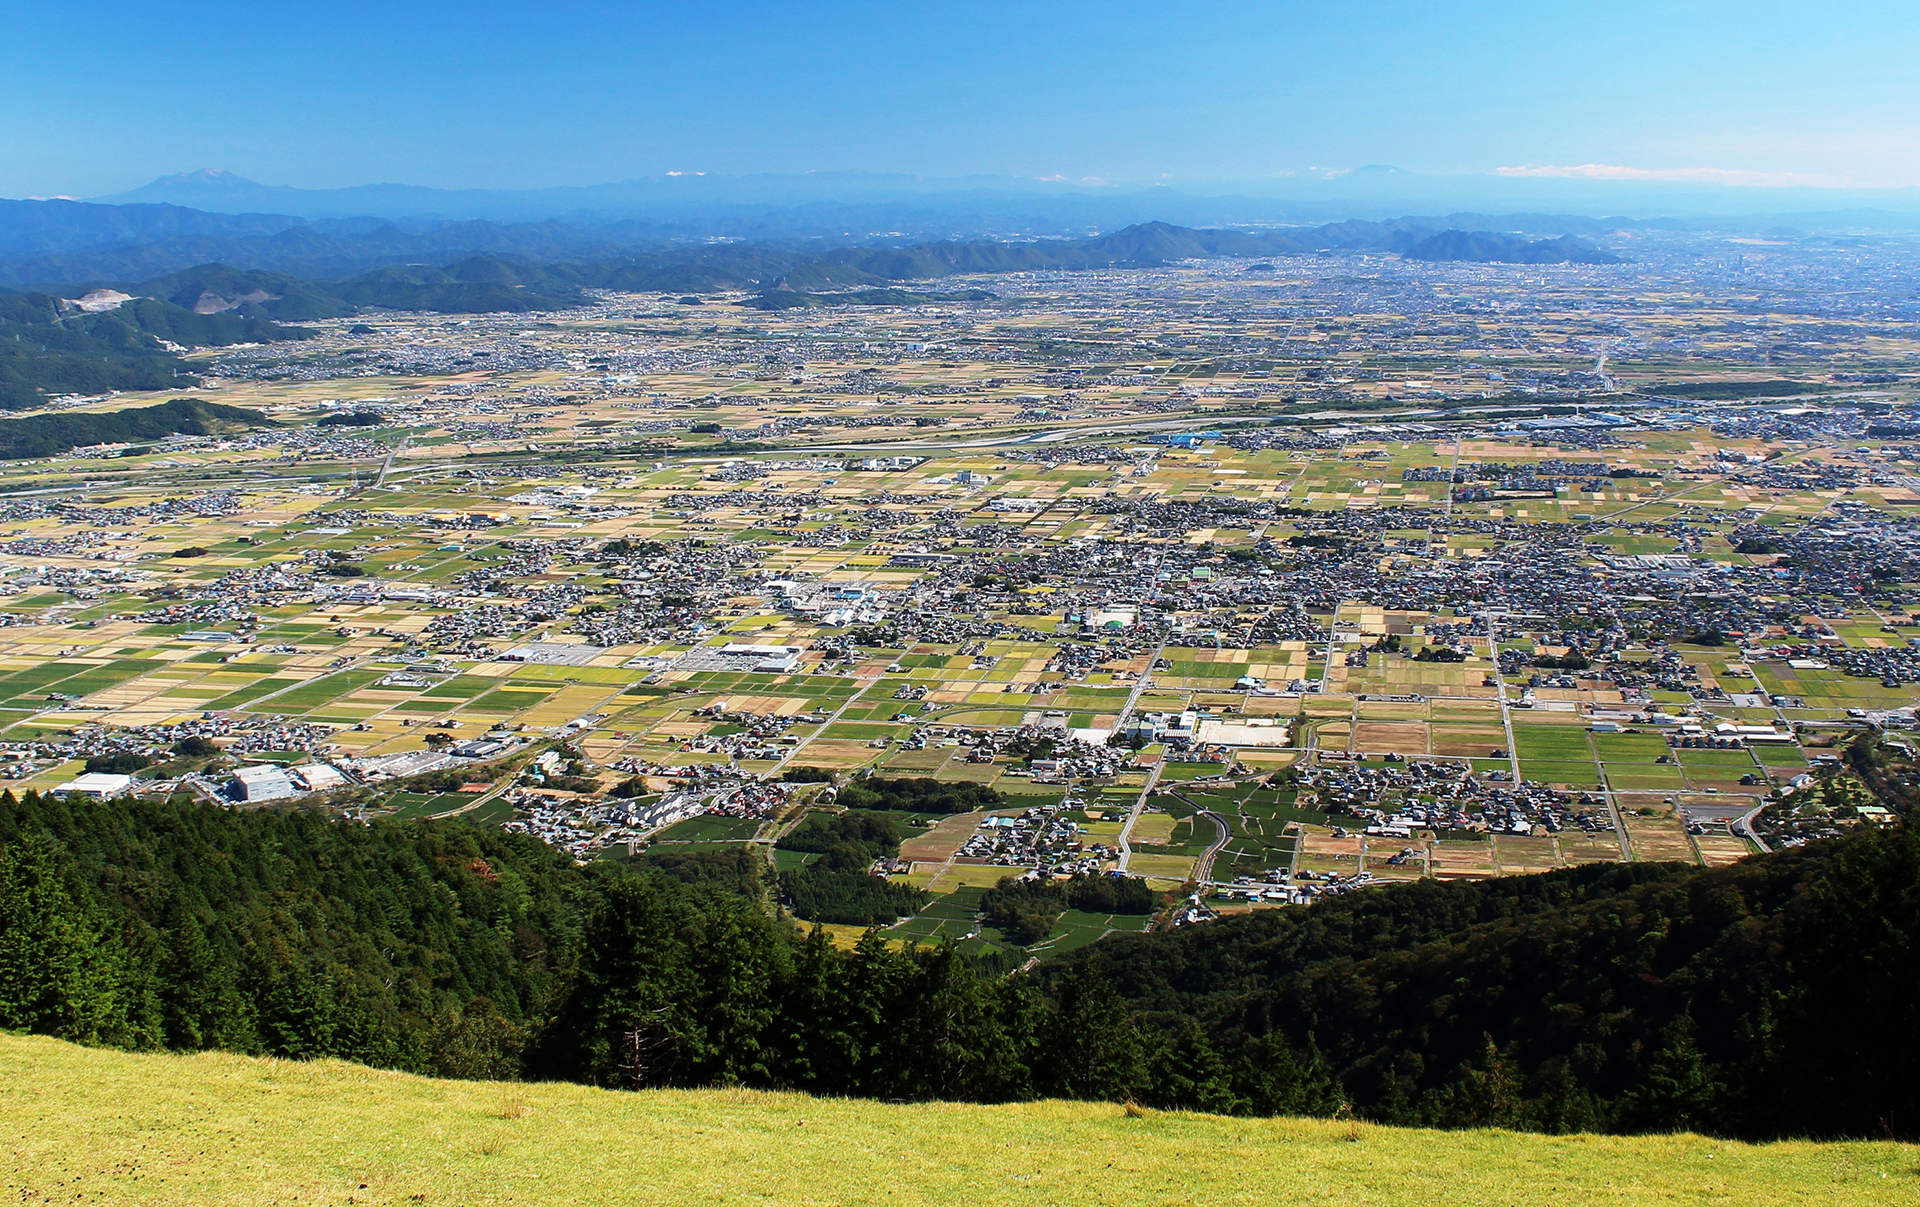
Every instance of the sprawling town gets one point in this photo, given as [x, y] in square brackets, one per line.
[1256, 580]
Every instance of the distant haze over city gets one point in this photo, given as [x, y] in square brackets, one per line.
[1370, 191]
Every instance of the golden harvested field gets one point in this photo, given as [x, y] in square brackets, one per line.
[98, 1126]
[1152, 829]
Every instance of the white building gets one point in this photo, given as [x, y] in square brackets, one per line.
[262, 781]
[316, 777]
[98, 785]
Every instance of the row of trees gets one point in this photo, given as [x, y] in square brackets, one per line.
[920, 795]
[837, 885]
[680, 988]
[1024, 910]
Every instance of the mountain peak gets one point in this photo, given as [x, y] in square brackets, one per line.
[205, 178]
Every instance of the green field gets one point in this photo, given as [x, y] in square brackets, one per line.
[1258, 819]
[88, 1125]
[710, 829]
[948, 916]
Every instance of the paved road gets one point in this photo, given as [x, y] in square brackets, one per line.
[360, 663]
[505, 783]
[1153, 777]
[1500, 686]
[1742, 826]
[803, 743]
[380, 479]
[1140, 686]
[1133, 815]
[1203, 867]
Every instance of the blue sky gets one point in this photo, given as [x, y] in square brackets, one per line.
[103, 95]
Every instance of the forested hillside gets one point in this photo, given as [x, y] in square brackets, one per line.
[1775, 997]
[48, 347]
[175, 924]
[45, 435]
[1767, 998]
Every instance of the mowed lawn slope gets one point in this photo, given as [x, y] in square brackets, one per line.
[91, 1126]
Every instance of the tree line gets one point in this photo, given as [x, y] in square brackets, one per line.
[837, 887]
[1774, 997]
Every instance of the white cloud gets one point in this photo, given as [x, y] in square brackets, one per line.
[1727, 176]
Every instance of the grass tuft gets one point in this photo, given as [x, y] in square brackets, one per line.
[513, 1105]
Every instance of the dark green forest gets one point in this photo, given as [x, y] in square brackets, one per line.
[44, 435]
[837, 887]
[1775, 997]
[920, 795]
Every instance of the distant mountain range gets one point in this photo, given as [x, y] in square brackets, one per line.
[854, 205]
[150, 241]
[33, 228]
[58, 245]
[223, 192]
[197, 218]
[518, 283]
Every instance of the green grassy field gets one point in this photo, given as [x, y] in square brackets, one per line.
[86, 1125]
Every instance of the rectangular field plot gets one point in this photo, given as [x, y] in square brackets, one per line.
[1520, 854]
[1466, 741]
[1580, 847]
[1462, 859]
[1390, 737]
[1644, 777]
[710, 829]
[1552, 743]
[1660, 840]
[1161, 867]
[1585, 775]
[1629, 747]
[1718, 850]
[1155, 829]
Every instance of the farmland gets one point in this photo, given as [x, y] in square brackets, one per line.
[1320, 581]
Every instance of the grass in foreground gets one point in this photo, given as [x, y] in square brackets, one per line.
[84, 1125]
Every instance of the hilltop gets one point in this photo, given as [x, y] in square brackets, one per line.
[216, 1129]
[51, 346]
[1484, 247]
[44, 435]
